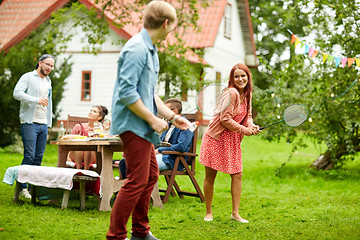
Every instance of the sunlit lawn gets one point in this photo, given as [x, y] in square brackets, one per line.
[300, 204]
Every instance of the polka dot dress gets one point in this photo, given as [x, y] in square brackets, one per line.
[224, 154]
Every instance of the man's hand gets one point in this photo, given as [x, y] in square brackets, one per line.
[43, 101]
[158, 125]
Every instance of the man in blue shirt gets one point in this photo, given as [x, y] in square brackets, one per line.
[180, 140]
[33, 90]
[135, 109]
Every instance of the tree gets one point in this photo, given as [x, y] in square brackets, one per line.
[323, 87]
[336, 25]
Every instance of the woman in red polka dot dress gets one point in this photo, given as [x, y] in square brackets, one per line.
[220, 146]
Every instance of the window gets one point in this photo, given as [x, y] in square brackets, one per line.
[218, 77]
[86, 86]
[227, 21]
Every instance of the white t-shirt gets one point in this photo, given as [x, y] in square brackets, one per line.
[40, 111]
[168, 134]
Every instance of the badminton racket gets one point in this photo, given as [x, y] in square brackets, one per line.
[213, 99]
[294, 116]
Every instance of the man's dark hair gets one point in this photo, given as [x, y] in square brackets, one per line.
[176, 103]
[43, 57]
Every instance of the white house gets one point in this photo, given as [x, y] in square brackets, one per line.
[226, 36]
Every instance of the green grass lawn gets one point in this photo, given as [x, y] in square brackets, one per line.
[301, 204]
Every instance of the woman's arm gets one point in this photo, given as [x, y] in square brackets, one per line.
[226, 117]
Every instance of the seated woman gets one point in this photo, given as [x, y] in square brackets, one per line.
[96, 115]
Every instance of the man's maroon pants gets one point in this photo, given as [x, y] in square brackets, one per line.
[134, 196]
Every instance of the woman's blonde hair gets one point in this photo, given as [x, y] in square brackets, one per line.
[156, 12]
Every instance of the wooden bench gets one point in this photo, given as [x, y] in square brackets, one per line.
[53, 178]
[65, 200]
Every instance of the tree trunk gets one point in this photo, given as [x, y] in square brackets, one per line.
[323, 162]
[167, 87]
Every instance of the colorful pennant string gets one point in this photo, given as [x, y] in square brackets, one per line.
[312, 53]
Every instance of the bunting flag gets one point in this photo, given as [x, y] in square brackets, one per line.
[307, 48]
[344, 61]
[329, 59]
[325, 56]
[350, 61]
[312, 53]
[337, 61]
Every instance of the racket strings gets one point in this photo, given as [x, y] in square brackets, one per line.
[295, 115]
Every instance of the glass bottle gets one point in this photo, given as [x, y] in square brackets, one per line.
[61, 130]
[97, 128]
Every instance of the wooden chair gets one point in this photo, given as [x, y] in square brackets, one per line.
[188, 171]
[72, 121]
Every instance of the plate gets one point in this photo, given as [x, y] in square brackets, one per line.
[78, 139]
[104, 139]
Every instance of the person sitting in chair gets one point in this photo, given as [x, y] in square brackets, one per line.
[180, 141]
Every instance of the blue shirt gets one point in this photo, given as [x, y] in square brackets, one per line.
[181, 141]
[138, 70]
[27, 92]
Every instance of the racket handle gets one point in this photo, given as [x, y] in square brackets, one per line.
[271, 124]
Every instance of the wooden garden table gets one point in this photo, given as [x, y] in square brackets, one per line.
[104, 148]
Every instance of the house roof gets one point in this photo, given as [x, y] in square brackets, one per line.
[208, 22]
[19, 17]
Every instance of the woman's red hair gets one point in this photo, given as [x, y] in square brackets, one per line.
[248, 87]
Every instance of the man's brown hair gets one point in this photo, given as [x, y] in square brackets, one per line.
[156, 12]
